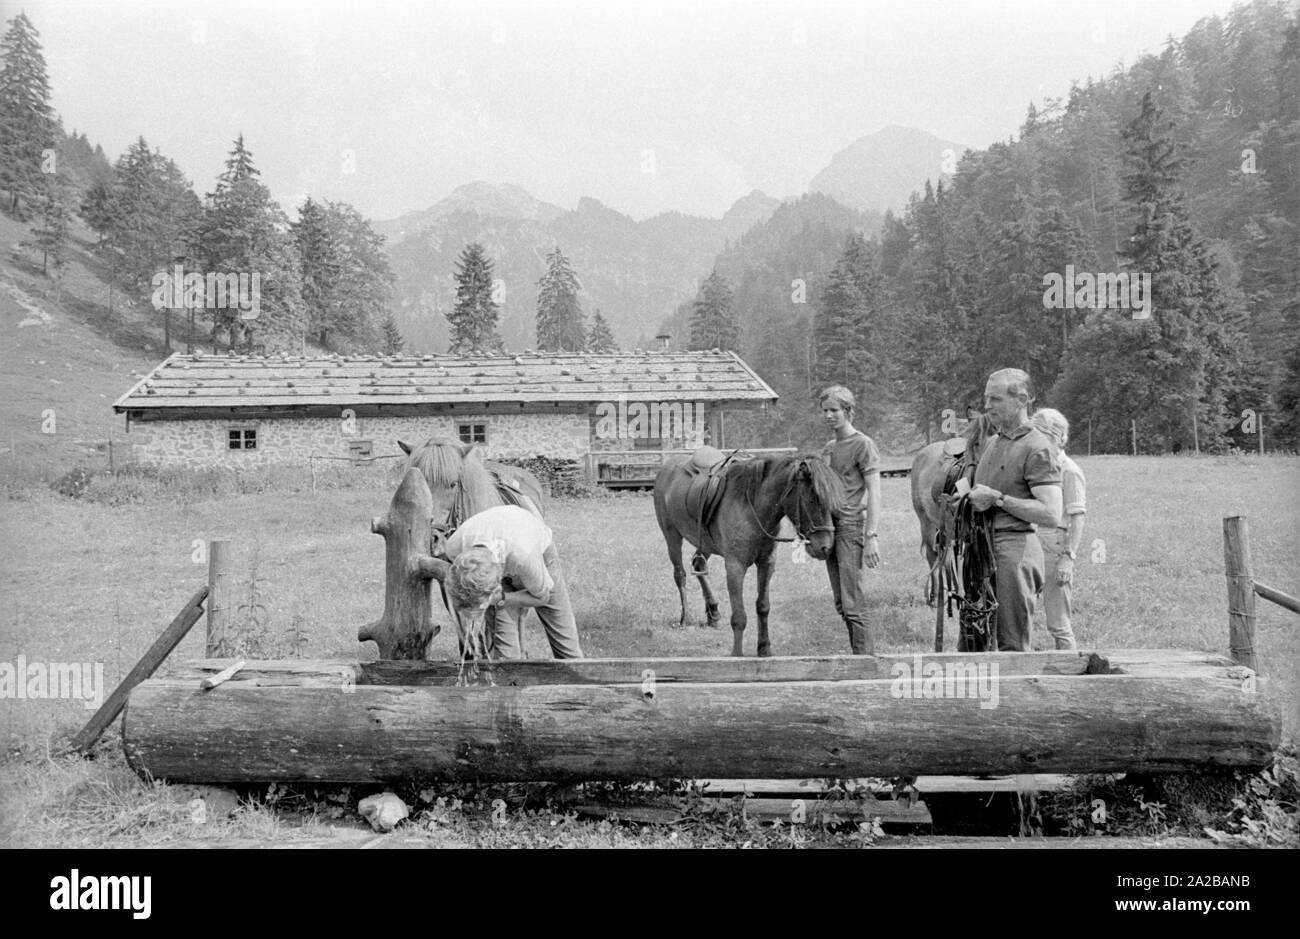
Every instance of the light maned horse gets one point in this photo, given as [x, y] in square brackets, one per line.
[464, 484]
[756, 495]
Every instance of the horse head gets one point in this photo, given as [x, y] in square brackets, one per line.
[460, 482]
[813, 501]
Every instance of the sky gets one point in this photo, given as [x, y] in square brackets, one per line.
[647, 106]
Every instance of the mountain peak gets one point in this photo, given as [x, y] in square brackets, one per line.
[881, 170]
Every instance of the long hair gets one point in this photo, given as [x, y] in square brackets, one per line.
[460, 482]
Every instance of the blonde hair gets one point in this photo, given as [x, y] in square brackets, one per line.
[474, 575]
[1052, 423]
[841, 396]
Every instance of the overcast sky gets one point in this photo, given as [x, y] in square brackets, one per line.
[391, 105]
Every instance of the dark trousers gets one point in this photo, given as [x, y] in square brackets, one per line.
[849, 583]
[1019, 558]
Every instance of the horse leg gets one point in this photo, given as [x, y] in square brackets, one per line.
[766, 567]
[679, 570]
[736, 591]
[700, 564]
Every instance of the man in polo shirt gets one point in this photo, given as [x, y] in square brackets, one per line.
[1061, 541]
[505, 557]
[854, 457]
[1019, 482]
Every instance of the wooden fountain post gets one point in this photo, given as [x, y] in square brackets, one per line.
[407, 626]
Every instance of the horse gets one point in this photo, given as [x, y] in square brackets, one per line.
[464, 484]
[935, 470]
[755, 495]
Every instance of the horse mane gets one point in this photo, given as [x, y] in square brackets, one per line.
[827, 487]
[445, 466]
[978, 429]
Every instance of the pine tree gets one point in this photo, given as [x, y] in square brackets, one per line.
[473, 319]
[393, 341]
[97, 208]
[713, 318]
[1176, 367]
[243, 231]
[50, 236]
[27, 124]
[600, 339]
[847, 349]
[560, 326]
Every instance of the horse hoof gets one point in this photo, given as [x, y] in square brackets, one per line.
[764, 653]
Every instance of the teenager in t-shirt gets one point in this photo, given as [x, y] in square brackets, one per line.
[854, 457]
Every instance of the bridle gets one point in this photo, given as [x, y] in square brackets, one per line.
[805, 534]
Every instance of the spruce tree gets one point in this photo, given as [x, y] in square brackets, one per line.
[560, 326]
[393, 341]
[243, 231]
[474, 318]
[1175, 367]
[50, 236]
[27, 124]
[713, 317]
[600, 339]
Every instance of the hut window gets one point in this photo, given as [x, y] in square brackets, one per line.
[472, 433]
[243, 438]
[360, 449]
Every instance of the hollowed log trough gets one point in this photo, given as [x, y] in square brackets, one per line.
[784, 717]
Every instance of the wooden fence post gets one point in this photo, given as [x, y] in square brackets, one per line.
[220, 584]
[1241, 591]
[1134, 427]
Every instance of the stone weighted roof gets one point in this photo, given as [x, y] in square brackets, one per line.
[233, 381]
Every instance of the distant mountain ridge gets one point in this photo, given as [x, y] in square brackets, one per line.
[881, 170]
[633, 272]
[637, 273]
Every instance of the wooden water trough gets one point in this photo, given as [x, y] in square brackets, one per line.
[933, 714]
[838, 716]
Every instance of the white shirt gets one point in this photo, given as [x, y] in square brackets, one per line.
[518, 540]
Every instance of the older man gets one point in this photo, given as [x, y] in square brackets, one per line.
[1018, 481]
[1061, 542]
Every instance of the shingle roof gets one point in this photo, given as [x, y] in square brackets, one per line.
[197, 381]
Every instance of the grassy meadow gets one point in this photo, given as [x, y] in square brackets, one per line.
[87, 580]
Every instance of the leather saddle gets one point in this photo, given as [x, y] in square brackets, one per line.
[707, 468]
[955, 465]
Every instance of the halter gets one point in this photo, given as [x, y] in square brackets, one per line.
[805, 535]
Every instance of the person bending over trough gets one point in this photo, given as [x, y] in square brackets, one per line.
[504, 558]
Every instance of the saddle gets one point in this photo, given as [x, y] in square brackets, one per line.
[965, 567]
[707, 468]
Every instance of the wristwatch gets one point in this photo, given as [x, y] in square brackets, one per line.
[1071, 555]
[869, 534]
[1001, 498]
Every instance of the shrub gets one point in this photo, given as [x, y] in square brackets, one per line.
[73, 483]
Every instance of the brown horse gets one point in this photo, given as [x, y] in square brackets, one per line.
[756, 495]
[929, 471]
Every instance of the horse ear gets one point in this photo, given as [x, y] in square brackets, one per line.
[467, 448]
[406, 447]
[805, 470]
